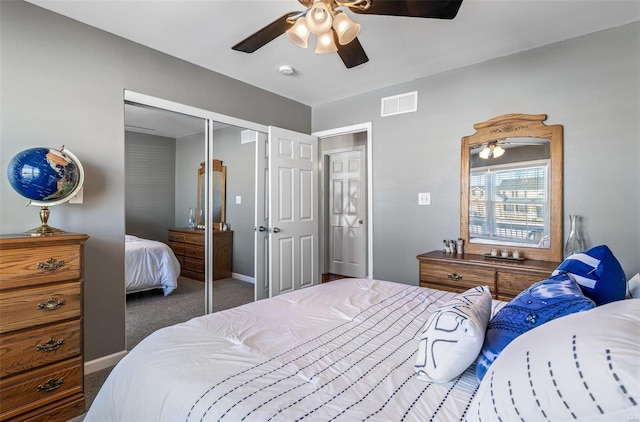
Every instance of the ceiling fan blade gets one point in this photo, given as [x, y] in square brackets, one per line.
[438, 9]
[352, 54]
[265, 35]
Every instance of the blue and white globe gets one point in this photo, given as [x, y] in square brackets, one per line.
[46, 176]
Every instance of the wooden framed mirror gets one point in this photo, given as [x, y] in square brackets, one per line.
[219, 192]
[511, 187]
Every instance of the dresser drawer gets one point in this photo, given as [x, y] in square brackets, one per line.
[192, 251]
[177, 248]
[194, 265]
[194, 238]
[175, 236]
[23, 350]
[39, 305]
[511, 284]
[31, 266]
[458, 276]
[33, 389]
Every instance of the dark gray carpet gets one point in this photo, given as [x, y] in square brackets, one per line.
[147, 312]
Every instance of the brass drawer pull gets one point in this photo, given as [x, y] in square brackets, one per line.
[51, 304]
[454, 276]
[51, 344]
[51, 384]
[52, 264]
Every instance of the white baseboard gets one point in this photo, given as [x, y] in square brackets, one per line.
[243, 277]
[103, 362]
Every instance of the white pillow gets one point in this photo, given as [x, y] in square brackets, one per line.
[452, 336]
[633, 286]
[584, 366]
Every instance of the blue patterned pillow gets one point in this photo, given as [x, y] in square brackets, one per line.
[598, 273]
[544, 301]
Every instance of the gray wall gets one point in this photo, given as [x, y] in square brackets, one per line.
[189, 154]
[588, 84]
[150, 185]
[240, 160]
[63, 83]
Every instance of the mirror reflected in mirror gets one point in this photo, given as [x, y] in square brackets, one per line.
[511, 185]
[218, 192]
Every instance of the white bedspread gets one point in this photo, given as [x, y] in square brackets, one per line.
[343, 350]
[149, 264]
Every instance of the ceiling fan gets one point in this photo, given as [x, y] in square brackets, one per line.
[335, 31]
[496, 148]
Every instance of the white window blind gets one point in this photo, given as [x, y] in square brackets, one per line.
[510, 204]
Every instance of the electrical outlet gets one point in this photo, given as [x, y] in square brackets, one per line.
[78, 198]
[424, 198]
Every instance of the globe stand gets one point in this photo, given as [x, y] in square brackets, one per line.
[44, 229]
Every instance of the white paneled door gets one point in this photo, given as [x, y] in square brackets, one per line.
[347, 238]
[293, 211]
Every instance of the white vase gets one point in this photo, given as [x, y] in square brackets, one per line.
[192, 221]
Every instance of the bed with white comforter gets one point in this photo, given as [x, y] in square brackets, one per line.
[344, 351]
[149, 265]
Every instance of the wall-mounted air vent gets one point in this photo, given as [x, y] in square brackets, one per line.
[399, 104]
[247, 136]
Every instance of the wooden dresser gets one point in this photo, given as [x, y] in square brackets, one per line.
[459, 272]
[188, 245]
[41, 331]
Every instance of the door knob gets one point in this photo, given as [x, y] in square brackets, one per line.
[361, 221]
[261, 228]
[276, 230]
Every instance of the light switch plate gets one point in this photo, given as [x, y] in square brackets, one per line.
[424, 198]
[238, 199]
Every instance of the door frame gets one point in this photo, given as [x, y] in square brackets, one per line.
[345, 130]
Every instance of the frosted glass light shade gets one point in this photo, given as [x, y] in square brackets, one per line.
[497, 151]
[319, 19]
[484, 154]
[325, 43]
[346, 29]
[299, 33]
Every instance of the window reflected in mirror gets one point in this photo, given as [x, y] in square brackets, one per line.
[508, 204]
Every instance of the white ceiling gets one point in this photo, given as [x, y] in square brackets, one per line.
[400, 49]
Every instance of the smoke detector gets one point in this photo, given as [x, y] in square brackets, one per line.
[286, 70]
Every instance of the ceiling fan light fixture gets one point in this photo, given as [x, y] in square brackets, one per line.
[346, 28]
[485, 153]
[319, 19]
[299, 34]
[492, 149]
[325, 43]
